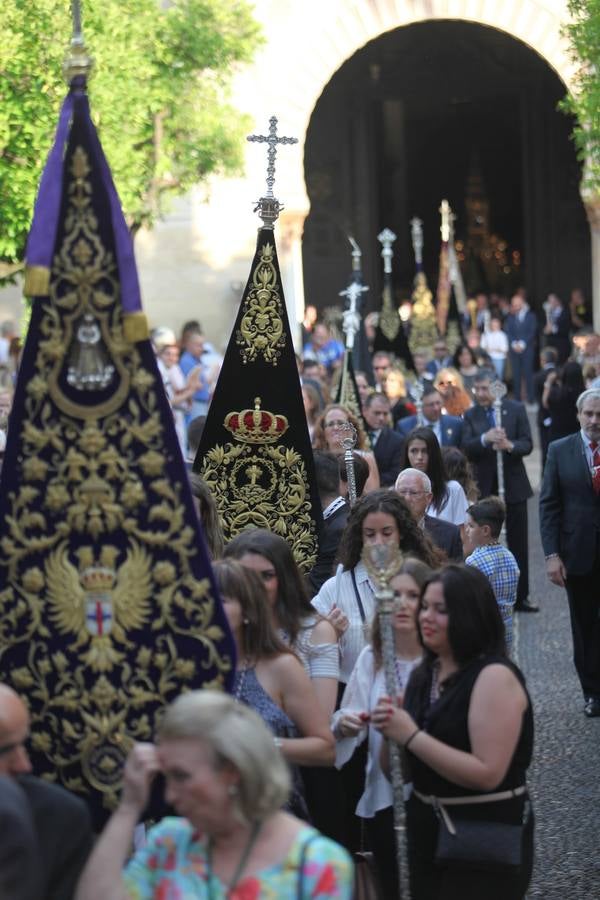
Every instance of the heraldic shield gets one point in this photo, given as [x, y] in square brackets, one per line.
[108, 608]
[255, 452]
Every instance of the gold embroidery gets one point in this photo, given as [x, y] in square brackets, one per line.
[256, 484]
[96, 556]
[261, 329]
[389, 320]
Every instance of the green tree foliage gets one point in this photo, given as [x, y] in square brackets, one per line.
[158, 92]
[583, 33]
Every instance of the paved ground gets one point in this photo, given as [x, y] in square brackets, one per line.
[564, 779]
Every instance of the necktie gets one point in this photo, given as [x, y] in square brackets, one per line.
[595, 466]
[491, 417]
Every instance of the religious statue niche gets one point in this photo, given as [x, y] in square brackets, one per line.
[89, 366]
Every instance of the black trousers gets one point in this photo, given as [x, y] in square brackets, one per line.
[583, 592]
[516, 538]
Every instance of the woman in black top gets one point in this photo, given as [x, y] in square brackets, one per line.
[559, 398]
[467, 725]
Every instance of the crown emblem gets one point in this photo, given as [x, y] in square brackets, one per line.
[98, 579]
[256, 426]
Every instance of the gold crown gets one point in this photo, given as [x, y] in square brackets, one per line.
[98, 578]
[256, 426]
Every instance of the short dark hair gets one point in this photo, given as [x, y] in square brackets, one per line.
[371, 398]
[327, 471]
[429, 390]
[484, 375]
[489, 511]
[549, 354]
[361, 472]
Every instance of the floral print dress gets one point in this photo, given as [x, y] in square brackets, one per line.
[173, 866]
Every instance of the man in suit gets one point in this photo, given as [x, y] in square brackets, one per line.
[415, 489]
[548, 358]
[482, 438]
[570, 531]
[19, 850]
[386, 443]
[557, 330]
[441, 358]
[447, 429]
[521, 330]
[61, 821]
[335, 515]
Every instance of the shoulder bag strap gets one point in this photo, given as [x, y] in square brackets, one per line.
[359, 602]
[301, 864]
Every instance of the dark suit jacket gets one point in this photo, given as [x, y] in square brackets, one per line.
[20, 877]
[433, 366]
[332, 531]
[452, 428]
[446, 536]
[538, 389]
[387, 451]
[569, 508]
[525, 330]
[64, 831]
[561, 338]
[516, 425]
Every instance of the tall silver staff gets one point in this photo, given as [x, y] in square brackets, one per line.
[382, 561]
[348, 442]
[417, 392]
[498, 391]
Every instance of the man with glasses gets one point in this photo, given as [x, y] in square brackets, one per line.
[447, 429]
[382, 363]
[441, 358]
[386, 443]
[415, 489]
[61, 821]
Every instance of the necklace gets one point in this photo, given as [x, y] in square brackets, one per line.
[256, 827]
[240, 678]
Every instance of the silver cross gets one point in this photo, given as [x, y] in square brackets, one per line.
[268, 206]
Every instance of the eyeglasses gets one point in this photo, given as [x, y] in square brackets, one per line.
[336, 423]
[411, 493]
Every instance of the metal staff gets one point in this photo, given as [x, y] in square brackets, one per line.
[348, 442]
[418, 391]
[382, 561]
[498, 390]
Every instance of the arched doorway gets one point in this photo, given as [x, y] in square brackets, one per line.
[437, 109]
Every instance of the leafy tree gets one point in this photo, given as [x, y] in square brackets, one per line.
[158, 91]
[583, 33]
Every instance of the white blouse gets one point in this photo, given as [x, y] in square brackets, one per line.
[319, 660]
[365, 687]
[455, 508]
[339, 591]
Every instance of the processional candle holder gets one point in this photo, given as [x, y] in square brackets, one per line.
[382, 562]
[498, 391]
[348, 440]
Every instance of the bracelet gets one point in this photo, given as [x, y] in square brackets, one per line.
[551, 556]
[278, 742]
[411, 738]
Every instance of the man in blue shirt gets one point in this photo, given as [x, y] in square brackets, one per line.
[191, 358]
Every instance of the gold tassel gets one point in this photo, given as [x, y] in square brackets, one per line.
[135, 327]
[37, 281]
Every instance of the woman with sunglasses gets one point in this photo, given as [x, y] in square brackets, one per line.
[329, 432]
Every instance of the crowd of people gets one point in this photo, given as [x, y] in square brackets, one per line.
[276, 788]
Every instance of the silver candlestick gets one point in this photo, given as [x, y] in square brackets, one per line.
[348, 443]
[382, 562]
[418, 391]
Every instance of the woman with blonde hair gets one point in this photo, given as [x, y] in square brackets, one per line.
[328, 434]
[456, 399]
[396, 392]
[227, 780]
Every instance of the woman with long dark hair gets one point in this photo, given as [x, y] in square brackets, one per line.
[559, 399]
[421, 451]
[466, 724]
[312, 638]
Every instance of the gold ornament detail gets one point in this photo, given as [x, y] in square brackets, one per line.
[389, 320]
[423, 327]
[96, 555]
[261, 331]
[256, 484]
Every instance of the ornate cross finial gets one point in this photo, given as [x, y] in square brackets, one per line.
[386, 239]
[77, 62]
[445, 226]
[416, 231]
[351, 318]
[268, 207]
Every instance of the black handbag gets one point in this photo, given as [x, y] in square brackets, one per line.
[479, 845]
